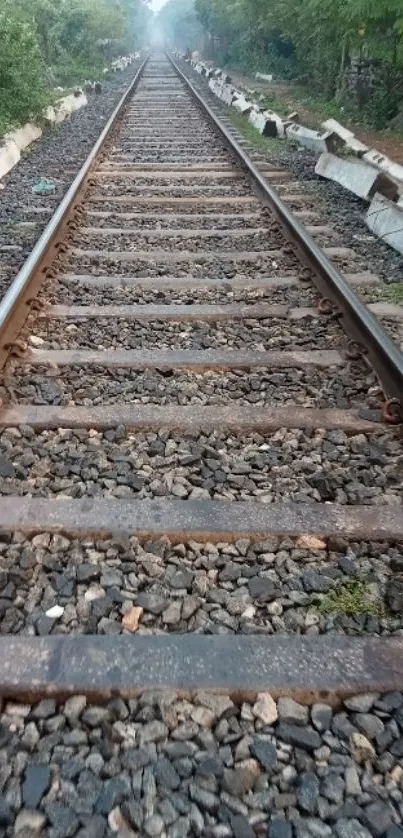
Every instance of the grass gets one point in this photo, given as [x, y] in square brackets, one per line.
[392, 293]
[241, 124]
[350, 598]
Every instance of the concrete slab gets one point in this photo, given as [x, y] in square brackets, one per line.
[9, 157]
[317, 141]
[242, 105]
[151, 416]
[278, 125]
[24, 136]
[384, 164]
[65, 107]
[264, 76]
[187, 281]
[385, 219]
[266, 127]
[173, 312]
[350, 140]
[356, 176]
[228, 94]
[170, 257]
[310, 669]
[198, 519]
[198, 359]
[384, 309]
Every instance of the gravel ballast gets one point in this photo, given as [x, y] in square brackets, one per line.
[198, 264]
[57, 156]
[136, 240]
[341, 388]
[78, 293]
[288, 465]
[266, 334]
[163, 766]
[59, 585]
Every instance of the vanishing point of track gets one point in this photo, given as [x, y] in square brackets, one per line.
[163, 354]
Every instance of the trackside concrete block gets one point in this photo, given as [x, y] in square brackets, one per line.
[348, 138]
[356, 176]
[318, 141]
[216, 87]
[278, 125]
[65, 107]
[385, 219]
[259, 121]
[384, 164]
[228, 94]
[9, 157]
[242, 105]
[264, 77]
[24, 136]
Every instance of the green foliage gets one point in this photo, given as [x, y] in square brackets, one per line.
[392, 292]
[44, 43]
[22, 71]
[350, 598]
[314, 41]
[251, 134]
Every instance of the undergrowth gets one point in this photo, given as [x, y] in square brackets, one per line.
[241, 124]
[349, 598]
[392, 292]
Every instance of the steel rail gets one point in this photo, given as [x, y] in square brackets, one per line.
[33, 263]
[384, 355]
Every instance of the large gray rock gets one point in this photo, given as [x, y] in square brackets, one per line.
[290, 711]
[351, 828]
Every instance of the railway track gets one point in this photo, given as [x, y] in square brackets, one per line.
[199, 496]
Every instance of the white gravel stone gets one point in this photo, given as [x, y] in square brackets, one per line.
[265, 709]
[361, 748]
[55, 612]
[74, 706]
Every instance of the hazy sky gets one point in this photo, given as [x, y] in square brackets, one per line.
[156, 4]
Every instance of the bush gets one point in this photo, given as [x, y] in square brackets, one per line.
[44, 43]
[22, 71]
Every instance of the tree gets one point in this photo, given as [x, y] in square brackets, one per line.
[312, 39]
[22, 70]
[178, 24]
[44, 43]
